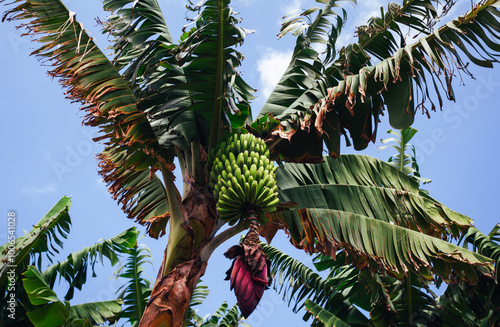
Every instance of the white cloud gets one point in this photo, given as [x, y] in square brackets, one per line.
[344, 39]
[35, 191]
[371, 9]
[293, 5]
[271, 67]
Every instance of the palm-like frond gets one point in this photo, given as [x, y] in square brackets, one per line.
[487, 245]
[136, 291]
[232, 318]
[367, 186]
[373, 229]
[402, 160]
[75, 268]
[52, 312]
[45, 237]
[389, 301]
[298, 283]
[387, 298]
[199, 295]
[471, 304]
[302, 75]
[350, 93]
[35, 297]
[325, 317]
[224, 317]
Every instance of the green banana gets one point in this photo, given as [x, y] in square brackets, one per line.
[242, 177]
[237, 187]
[247, 191]
[253, 170]
[229, 202]
[264, 194]
[271, 201]
[269, 209]
[232, 158]
[253, 192]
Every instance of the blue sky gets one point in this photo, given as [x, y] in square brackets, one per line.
[48, 154]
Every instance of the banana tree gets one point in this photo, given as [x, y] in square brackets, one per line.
[158, 100]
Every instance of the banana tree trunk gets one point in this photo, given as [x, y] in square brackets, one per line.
[176, 281]
[171, 295]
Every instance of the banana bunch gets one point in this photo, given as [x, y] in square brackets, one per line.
[242, 178]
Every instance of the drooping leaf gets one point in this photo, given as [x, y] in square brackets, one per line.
[45, 237]
[138, 189]
[298, 283]
[376, 214]
[374, 243]
[382, 71]
[57, 313]
[107, 99]
[327, 318]
[75, 268]
[370, 187]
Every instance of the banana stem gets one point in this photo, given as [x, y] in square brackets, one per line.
[218, 240]
[274, 142]
[177, 217]
[252, 236]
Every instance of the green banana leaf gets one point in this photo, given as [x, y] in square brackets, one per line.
[45, 238]
[327, 318]
[380, 71]
[75, 268]
[372, 227]
[53, 312]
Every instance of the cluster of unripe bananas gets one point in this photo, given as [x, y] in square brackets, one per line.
[242, 178]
